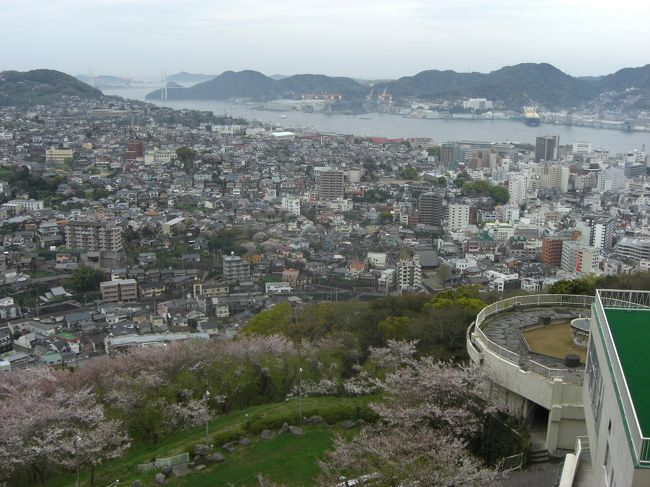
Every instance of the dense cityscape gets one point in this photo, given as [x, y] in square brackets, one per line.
[123, 223]
[369, 243]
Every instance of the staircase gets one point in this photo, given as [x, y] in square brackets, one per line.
[539, 455]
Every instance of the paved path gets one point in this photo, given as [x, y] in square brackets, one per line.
[539, 475]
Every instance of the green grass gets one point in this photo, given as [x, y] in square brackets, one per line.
[287, 459]
[631, 332]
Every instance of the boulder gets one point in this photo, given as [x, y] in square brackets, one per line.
[294, 430]
[136, 483]
[198, 468]
[267, 435]
[348, 424]
[159, 479]
[217, 458]
[200, 449]
[167, 472]
[244, 441]
[314, 420]
[284, 428]
[201, 460]
[229, 447]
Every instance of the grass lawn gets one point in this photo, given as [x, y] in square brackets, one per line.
[554, 340]
[287, 459]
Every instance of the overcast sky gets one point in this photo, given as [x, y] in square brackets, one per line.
[361, 38]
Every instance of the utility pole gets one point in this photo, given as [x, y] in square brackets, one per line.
[206, 398]
[300, 393]
[77, 440]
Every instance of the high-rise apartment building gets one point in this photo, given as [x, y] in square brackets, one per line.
[430, 209]
[330, 185]
[93, 236]
[458, 217]
[235, 269]
[602, 233]
[546, 148]
[517, 188]
[578, 258]
[552, 251]
[291, 204]
[554, 176]
[611, 179]
[409, 273]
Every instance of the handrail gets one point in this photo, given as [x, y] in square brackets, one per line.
[497, 307]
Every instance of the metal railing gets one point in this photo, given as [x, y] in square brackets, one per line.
[618, 298]
[513, 462]
[510, 304]
[164, 462]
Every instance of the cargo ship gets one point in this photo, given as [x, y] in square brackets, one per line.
[531, 117]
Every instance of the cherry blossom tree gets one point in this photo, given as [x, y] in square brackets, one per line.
[429, 413]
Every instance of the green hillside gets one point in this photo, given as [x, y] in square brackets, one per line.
[41, 86]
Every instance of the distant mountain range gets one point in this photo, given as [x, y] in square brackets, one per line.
[255, 85]
[626, 90]
[41, 86]
[515, 86]
[185, 77]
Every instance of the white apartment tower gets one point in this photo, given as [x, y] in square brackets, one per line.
[458, 219]
[409, 273]
[517, 187]
[291, 204]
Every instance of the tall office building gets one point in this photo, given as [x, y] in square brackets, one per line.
[546, 148]
[330, 185]
[430, 209]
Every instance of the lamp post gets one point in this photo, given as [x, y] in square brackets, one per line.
[77, 442]
[300, 393]
[206, 398]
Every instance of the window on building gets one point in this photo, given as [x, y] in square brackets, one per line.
[594, 382]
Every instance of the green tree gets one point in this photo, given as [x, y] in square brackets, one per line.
[499, 194]
[409, 172]
[86, 278]
[186, 156]
[461, 179]
[385, 217]
[270, 322]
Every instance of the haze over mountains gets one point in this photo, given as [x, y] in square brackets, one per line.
[513, 86]
[522, 84]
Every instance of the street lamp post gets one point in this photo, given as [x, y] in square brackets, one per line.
[77, 440]
[206, 398]
[300, 393]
